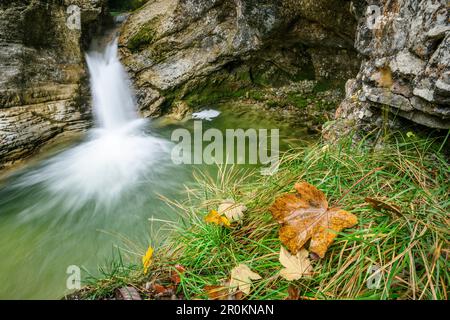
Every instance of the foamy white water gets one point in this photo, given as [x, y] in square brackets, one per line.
[117, 154]
[207, 115]
[113, 100]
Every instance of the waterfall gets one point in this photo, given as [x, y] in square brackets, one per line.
[117, 153]
[112, 96]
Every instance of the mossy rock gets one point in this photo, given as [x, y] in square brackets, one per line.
[256, 95]
[211, 94]
[144, 36]
[298, 100]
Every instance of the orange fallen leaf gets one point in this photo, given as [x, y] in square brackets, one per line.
[305, 215]
[175, 274]
[293, 293]
[223, 292]
[216, 218]
[159, 288]
[217, 292]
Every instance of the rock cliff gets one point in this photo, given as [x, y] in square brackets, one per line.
[405, 48]
[43, 88]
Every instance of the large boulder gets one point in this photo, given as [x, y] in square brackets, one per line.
[174, 47]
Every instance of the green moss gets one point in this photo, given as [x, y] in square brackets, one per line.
[324, 85]
[214, 92]
[158, 54]
[39, 27]
[297, 100]
[143, 37]
[213, 96]
[270, 74]
[170, 98]
[273, 103]
[256, 95]
[243, 75]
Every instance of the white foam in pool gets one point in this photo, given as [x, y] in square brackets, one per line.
[208, 114]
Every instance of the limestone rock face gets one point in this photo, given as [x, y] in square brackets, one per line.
[43, 88]
[173, 47]
[405, 47]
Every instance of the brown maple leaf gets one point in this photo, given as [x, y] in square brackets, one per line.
[293, 293]
[305, 215]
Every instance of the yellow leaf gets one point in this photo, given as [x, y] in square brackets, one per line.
[241, 278]
[217, 292]
[305, 215]
[410, 134]
[232, 210]
[216, 218]
[296, 266]
[147, 259]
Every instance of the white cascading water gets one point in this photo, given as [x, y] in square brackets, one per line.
[117, 154]
[112, 96]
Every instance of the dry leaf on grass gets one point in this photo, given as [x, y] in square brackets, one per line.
[158, 288]
[222, 293]
[161, 292]
[232, 210]
[241, 278]
[216, 218]
[379, 204]
[128, 293]
[175, 274]
[295, 266]
[217, 292]
[293, 293]
[305, 215]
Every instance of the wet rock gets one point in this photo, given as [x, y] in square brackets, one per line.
[43, 89]
[174, 48]
[406, 66]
